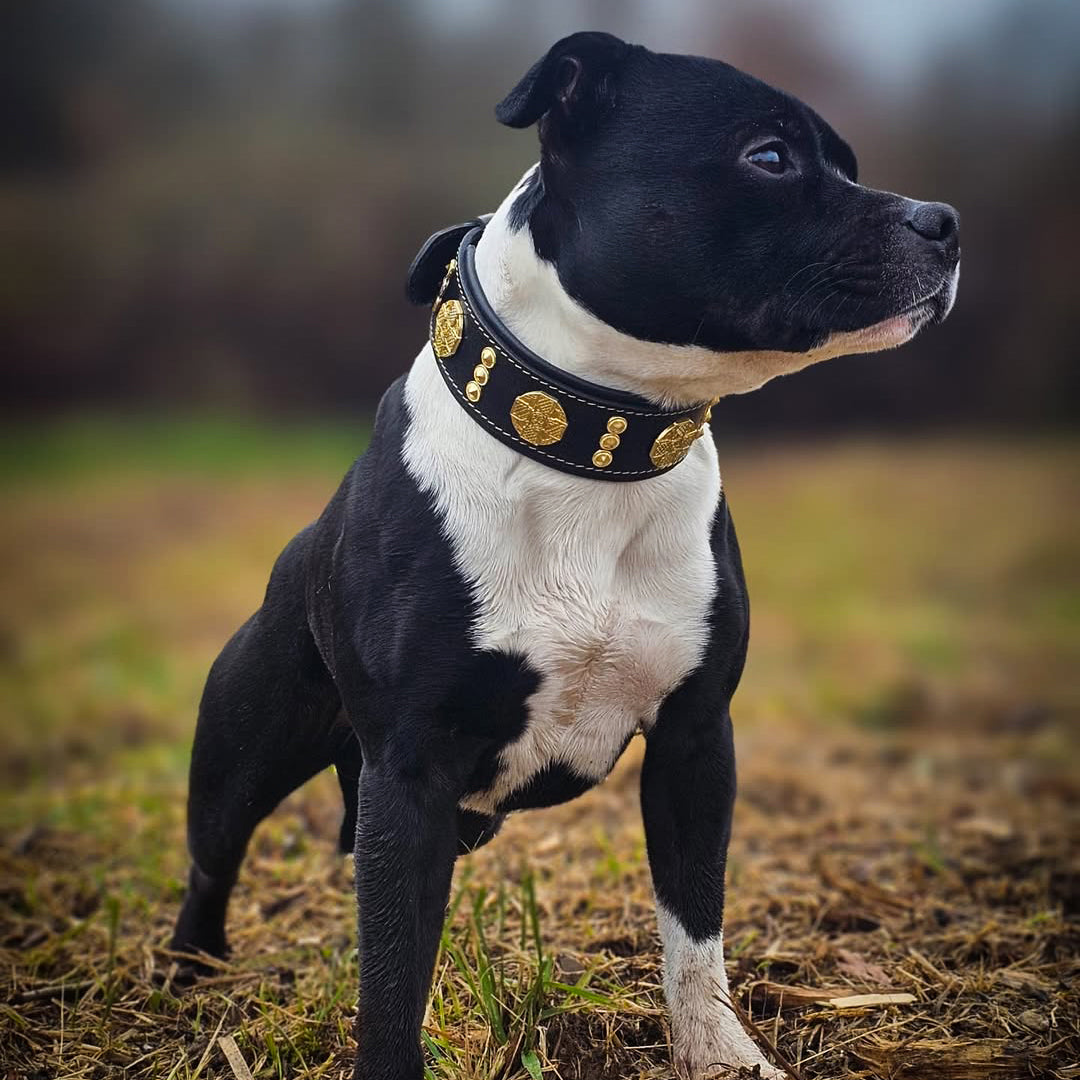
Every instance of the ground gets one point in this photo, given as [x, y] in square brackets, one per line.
[906, 823]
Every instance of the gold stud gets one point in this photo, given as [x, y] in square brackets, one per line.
[449, 324]
[673, 443]
[616, 425]
[487, 356]
[538, 418]
[472, 391]
[480, 374]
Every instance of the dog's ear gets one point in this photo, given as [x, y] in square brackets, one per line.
[573, 85]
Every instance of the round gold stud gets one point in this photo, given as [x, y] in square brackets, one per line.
[480, 374]
[609, 442]
[616, 425]
[601, 459]
[538, 418]
[487, 356]
[673, 443]
[472, 391]
[449, 325]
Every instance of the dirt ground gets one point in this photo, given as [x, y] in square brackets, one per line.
[904, 881]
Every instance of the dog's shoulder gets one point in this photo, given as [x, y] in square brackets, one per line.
[380, 571]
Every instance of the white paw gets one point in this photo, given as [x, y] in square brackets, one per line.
[718, 1049]
[706, 1035]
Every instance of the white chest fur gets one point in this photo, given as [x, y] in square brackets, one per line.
[603, 587]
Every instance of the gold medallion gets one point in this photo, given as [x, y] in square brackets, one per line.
[673, 443]
[449, 324]
[538, 418]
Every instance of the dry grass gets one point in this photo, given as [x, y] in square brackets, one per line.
[907, 820]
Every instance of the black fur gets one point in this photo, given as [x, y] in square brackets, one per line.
[528, 199]
[360, 655]
[574, 79]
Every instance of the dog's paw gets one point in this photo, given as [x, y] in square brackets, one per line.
[736, 1072]
[720, 1050]
[760, 1069]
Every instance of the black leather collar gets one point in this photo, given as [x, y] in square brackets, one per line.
[533, 407]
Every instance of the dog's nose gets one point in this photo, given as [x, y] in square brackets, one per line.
[935, 221]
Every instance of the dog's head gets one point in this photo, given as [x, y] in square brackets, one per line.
[681, 201]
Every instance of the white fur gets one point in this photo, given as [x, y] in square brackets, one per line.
[603, 587]
[705, 1032]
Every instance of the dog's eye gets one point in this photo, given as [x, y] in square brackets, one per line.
[770, 159]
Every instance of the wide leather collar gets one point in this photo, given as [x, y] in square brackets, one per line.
[526, 403]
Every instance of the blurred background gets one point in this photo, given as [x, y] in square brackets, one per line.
[207, 209]
[211, 204]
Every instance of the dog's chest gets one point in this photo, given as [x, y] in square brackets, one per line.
[611, 619]
[603, 588]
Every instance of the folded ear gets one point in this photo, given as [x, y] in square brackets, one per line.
[574, 82]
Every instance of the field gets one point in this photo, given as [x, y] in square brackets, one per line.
[907, 822]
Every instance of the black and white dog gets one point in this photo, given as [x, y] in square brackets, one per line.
[534, 559]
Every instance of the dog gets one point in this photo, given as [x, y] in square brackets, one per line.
[534, 559]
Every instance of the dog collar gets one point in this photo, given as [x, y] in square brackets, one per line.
[538, 410]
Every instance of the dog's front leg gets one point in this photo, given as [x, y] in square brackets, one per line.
[406, 838]
[687, 793]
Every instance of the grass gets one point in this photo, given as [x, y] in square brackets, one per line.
[907, 816]
[106, 446]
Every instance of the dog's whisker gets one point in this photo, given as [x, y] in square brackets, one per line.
[787, 284]
[820, 304]
[821, 279]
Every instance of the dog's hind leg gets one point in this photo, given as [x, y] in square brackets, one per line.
[268, 721]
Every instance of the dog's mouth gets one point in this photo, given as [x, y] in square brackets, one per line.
[902, 327]
[892, 331]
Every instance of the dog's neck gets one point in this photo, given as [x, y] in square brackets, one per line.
[526, 294]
